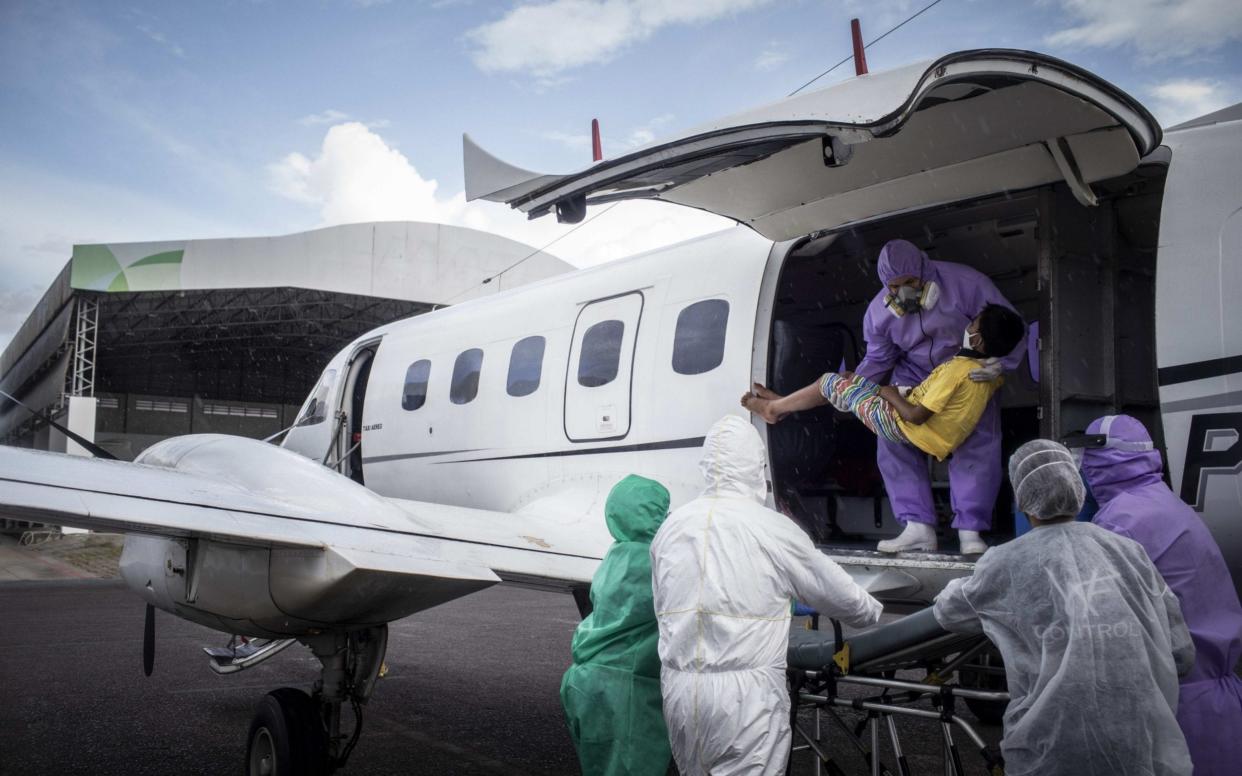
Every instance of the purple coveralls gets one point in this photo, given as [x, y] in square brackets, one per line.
[1135, 503]
[903, 351]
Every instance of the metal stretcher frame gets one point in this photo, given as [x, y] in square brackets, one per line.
[870, 660]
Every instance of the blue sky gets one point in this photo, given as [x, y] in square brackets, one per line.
[160, 120]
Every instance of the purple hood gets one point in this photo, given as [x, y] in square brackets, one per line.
[1110, 471]
[902, 257]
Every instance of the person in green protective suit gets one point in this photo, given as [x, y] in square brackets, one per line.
[611, 693]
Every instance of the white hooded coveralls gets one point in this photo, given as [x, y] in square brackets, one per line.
[724, 572]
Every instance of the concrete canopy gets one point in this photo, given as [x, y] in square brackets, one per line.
[244, 320]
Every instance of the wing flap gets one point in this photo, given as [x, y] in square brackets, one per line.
[519, 547]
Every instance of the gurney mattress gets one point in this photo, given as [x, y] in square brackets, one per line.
[910, 638]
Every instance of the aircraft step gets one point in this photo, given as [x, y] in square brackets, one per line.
[238, 657]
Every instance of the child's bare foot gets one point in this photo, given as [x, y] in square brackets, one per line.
[761, 407]
[763, 392]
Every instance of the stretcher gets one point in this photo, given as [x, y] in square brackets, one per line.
[830, 673]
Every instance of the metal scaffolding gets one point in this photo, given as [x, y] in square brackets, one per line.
[85, 338]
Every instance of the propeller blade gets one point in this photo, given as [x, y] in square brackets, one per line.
[148, 642]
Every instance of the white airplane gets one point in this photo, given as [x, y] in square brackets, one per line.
[442, 454]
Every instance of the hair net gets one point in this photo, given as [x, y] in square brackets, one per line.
[902, 257]
[1045, 480]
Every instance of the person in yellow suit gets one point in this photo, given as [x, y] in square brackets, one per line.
[611, 693]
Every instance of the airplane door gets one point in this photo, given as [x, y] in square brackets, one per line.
[599, 377]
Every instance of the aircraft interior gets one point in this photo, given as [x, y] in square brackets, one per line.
[1083, 279]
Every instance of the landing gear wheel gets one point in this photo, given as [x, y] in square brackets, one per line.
[287, 737]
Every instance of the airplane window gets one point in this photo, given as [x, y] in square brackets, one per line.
[699, 341]
[316, 408]
[415, 393]
[525, 366]
[601, 354]
[465, 385]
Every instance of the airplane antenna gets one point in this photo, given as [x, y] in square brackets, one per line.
[891, 30]
[597, 148]
[860, 51]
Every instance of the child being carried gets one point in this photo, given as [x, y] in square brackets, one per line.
[936, 416]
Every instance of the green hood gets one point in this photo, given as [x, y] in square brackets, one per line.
[635, 508]
[611, 693]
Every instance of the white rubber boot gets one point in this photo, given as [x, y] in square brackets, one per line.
[971, 543]
[915, 537]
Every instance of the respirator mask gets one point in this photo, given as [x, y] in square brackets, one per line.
[909, 299]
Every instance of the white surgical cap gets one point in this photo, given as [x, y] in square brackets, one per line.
[1045, 480]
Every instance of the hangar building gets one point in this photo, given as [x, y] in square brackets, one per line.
[137, 342]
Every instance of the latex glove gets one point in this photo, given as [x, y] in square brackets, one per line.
[990, 369]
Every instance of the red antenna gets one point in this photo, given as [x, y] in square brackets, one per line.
[597, 148]
[860, 54]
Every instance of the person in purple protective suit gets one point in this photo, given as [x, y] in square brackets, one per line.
[912, 326]
[1123, 470]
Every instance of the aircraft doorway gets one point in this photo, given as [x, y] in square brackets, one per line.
[353, 397]
[1083, 279]
[598, 380]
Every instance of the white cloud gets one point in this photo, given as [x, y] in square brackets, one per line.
[46, 214]
[333, 116]
[640, 135]
[162, 39]
[1158, 29]
[574, 141]
[1183, 99]
[879, 15]
[545, 38]
[644, 134]
[329, 116]
[356, 176]
[771, 58]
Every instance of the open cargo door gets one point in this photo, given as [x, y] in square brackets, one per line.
[968, 124]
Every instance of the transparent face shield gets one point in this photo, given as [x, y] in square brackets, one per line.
[1078, 444]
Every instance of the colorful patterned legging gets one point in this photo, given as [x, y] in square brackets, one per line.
[862, 397]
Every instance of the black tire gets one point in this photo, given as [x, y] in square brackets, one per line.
[287, 737]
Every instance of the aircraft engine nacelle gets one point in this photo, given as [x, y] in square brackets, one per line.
[264, 588]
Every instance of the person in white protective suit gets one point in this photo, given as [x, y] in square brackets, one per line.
[1092, 638]
[725, 571]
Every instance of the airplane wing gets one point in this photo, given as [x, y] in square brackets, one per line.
[122, 497]
[242, 491]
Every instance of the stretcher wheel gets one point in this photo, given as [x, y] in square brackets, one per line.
[987, 712]
[287, 737]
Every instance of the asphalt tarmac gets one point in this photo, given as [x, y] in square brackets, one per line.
[471, 689]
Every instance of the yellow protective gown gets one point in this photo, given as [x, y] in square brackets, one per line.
[611, 693]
